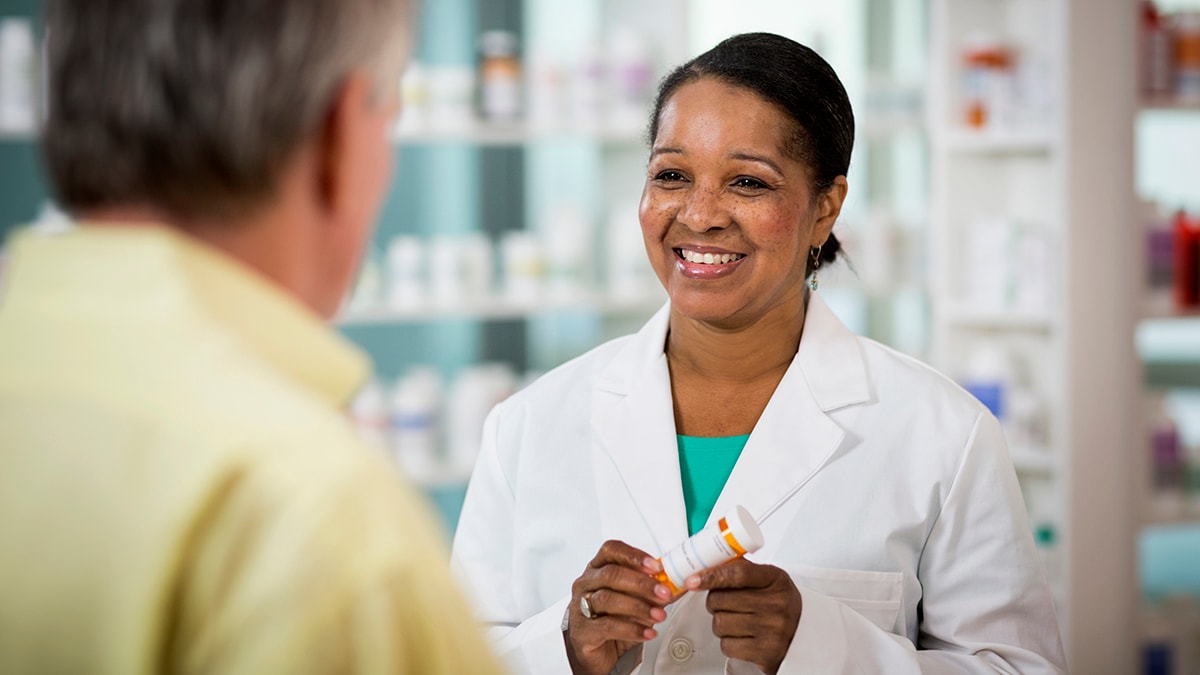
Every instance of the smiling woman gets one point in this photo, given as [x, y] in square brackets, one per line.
[895, 536]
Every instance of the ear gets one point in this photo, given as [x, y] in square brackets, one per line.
[352, 162]
[829, 207]
[344, 144]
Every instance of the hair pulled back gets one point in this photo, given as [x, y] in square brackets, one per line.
[797, 80]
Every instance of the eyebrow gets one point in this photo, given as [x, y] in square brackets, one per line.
[734, 155]
[757, 159]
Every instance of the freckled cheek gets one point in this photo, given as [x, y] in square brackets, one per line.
[655, 216]
[770, 226]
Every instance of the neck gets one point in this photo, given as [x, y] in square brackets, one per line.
[763, 349]
[256, 240]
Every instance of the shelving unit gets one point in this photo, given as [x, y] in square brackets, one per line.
[500, 309]
[1168, 342]
[1063, 179]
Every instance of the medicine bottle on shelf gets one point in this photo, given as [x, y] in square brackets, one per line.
[499, 77]
[1187, 55]
[988, 87]
[1187, 260]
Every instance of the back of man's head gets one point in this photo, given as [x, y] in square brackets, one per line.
[193, 107]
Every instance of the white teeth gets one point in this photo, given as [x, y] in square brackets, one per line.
[709, 258]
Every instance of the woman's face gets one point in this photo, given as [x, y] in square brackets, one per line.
[727, 215]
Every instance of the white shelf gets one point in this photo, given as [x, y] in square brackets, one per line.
[1160, 511]
[18, 136]
[500, 308]
[1032, 461]
[999, 320]
[516, 134]
[1168, 314]
[440, 477]
[1169, 103]
[521, 133]
[999, 142]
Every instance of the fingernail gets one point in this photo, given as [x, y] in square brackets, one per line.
[662, 592]
[658, 614]
[693, 582]
[652, 565]
[650, 633]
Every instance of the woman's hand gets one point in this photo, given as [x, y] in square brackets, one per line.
[755, 610]
[626, 602]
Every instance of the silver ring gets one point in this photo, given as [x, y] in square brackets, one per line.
[585, 606]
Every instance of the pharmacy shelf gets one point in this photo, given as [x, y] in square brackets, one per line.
[998, 320]
[498, 308]
[439, 477]
[515, 134]
[1032, 461]
[1167, 103]
[1172, 510]
[1008, 142]
[18, 136]
[1067, 178]
[1170, 314]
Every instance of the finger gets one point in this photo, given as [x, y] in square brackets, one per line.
[614, 552]
[733, 625]
[748, 649]
[737, 573]
[607, 602]
[594, 632]
[634, 583]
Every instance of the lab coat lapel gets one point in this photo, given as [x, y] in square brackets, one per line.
[636, 460]
[795, 436]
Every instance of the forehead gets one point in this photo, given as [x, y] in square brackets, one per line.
[713, 114]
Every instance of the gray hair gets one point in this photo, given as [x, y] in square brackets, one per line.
[195, 106]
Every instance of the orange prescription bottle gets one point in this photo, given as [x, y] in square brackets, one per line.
[730, 537]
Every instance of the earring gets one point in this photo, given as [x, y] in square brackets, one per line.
[815, 254]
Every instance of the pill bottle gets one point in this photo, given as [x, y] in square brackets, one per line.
[1187, 55]
[499, 76]
[730, 537]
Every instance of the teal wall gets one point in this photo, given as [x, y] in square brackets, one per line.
[22, 186]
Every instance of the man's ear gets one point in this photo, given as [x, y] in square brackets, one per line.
[344, 131]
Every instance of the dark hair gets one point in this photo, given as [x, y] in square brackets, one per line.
[798, 81]
[194, 106]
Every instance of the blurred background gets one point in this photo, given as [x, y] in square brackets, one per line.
[1024, 214]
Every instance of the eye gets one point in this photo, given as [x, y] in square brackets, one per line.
[749, 183]
[669, 176]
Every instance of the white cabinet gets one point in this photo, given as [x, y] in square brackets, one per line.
[1033, 272]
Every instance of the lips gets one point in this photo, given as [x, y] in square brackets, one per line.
[710, 264]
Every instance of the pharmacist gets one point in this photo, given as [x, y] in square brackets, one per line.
[895, 536]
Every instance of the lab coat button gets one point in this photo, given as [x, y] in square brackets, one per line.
[681, 649]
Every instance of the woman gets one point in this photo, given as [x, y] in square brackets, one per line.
[895, 536]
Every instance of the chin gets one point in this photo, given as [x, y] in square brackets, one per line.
[697, 307]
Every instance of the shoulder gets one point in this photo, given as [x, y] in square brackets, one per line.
[573, 379]
[898, 378]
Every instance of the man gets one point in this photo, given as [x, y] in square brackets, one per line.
[179, 491]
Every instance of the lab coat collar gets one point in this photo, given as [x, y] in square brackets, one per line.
[633, 417]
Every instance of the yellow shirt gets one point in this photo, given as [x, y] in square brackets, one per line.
[178, 490]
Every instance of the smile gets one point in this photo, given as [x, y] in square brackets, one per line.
[697, 258]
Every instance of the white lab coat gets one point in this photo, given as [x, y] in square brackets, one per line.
[884, 490]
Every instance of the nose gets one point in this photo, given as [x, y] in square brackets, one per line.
[702, 210]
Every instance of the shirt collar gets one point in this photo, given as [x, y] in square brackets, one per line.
[830, 357]
[123, 270]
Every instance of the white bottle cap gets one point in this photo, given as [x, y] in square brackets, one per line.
[744, 529]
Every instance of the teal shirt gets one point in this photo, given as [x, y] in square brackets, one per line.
[705, 465]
